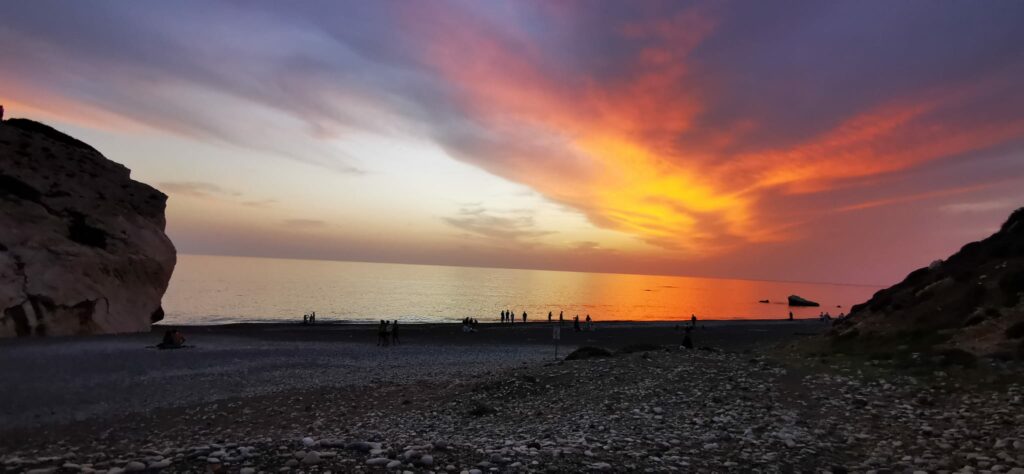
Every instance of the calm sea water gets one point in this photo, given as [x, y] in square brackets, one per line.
[208, 290]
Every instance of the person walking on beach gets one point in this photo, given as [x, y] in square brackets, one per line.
[502, 316]
[693, 320]
[549, 316]
[511, 317]
[381, 333]
[576, 323]
[524, 316]
[312, 317]
[560, 319]
[790, 315]
[590, 324]
[394, 333]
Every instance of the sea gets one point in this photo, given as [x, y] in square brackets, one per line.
[219, 290]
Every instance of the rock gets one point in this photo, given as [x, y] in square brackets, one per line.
[588, 352]
[795, 300]
[311, 458]
[308, 442]
[393, 464]
[134, 466]
[247, 470]
[426, 460]
[361, 446]
[481, 409]
[378, 461]
[82, 245]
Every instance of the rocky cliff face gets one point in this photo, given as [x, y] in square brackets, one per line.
[973, 301]
[82, 245]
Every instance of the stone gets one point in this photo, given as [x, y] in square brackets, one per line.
[83, 245]
[308, 442]
[311, 458]
[134, 466]
[377, 461]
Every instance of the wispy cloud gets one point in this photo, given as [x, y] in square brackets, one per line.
[305, 223]
[512, 226]
[197, 189]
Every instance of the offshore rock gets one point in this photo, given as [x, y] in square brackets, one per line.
[82, 245]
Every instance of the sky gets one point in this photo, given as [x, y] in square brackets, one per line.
[847, 142]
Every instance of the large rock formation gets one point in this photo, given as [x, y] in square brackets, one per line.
[82, 246]
[972, 301]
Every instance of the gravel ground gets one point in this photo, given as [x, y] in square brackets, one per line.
[745, 408]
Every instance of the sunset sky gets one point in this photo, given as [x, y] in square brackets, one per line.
[810, 141]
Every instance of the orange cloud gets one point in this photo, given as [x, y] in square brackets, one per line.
[610, 148]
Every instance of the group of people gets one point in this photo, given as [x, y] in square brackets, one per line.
[469, 324]
[387, 333]
[825, 317]
[309, 318]
[507, 316]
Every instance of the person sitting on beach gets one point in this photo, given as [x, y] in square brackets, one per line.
[173, 339]
[524, 316]
[394, 332]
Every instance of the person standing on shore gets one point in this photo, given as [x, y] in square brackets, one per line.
[394, 332]
[511, 317]
[524, 316]
[693, 320]
[381, 333]
[560, 319]
[790, 315]
[549, 316]
[590, 324]
[576, 323]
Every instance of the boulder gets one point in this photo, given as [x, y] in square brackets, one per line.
[82, 245]
[588, 352]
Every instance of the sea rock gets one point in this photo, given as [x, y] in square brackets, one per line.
[82, 245]
[795, 300]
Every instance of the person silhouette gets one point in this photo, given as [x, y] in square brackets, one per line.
[524, 316]
[693, 320]
[560, 318]
[549, 316]
[394, 332]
